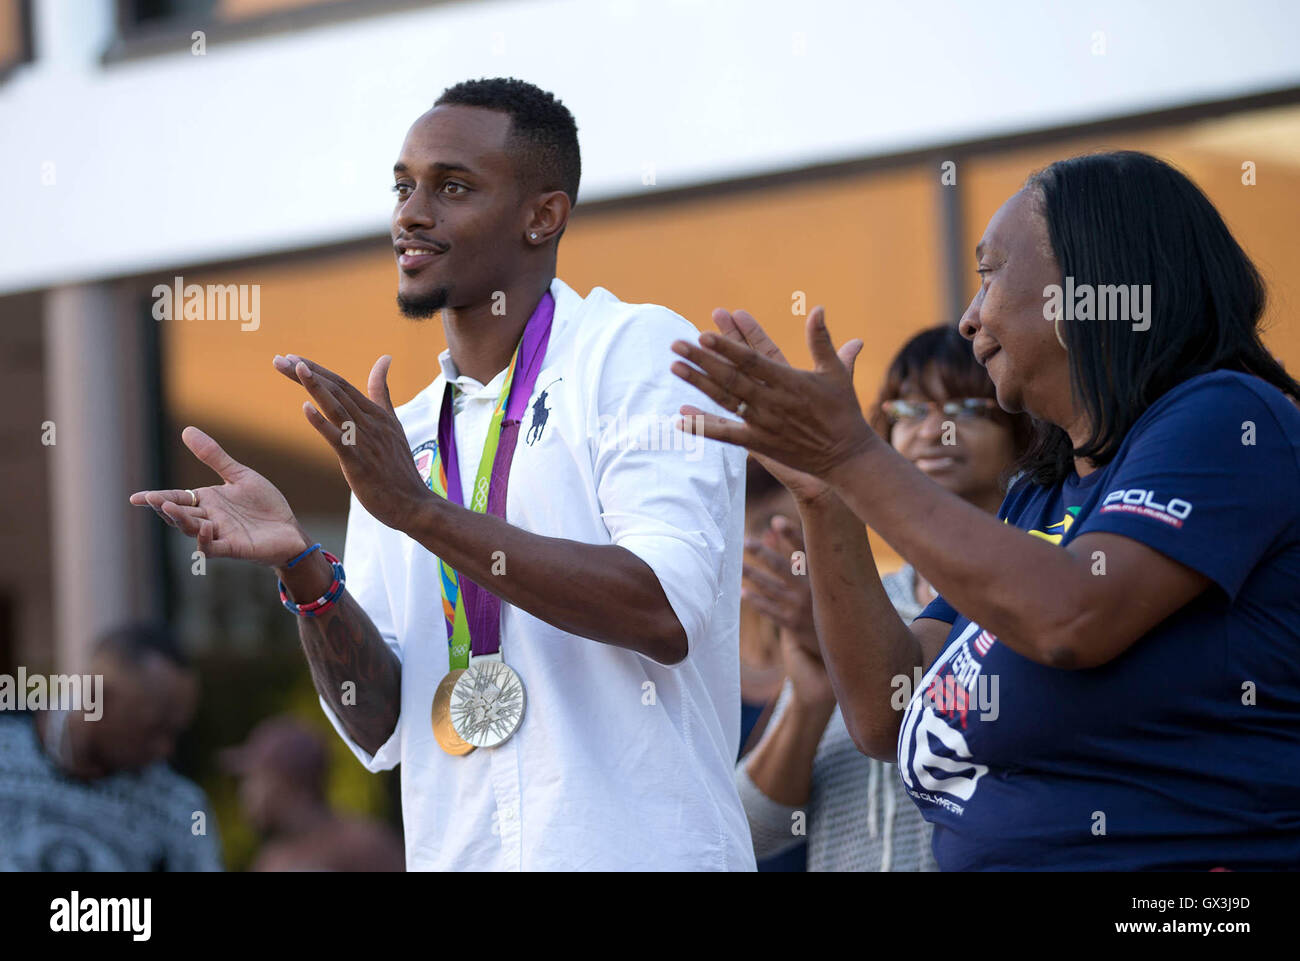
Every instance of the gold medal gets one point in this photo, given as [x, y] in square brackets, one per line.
[448, 739]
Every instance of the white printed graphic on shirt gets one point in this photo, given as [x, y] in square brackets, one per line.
[921, 722]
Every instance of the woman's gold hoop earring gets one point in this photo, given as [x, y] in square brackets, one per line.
[1056, 326]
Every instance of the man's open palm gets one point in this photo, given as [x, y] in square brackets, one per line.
[246, 518]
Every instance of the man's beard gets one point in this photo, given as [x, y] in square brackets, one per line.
[422, 307]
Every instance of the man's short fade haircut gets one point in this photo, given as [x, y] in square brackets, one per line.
[543, 135]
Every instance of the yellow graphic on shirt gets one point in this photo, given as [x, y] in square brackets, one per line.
[1065, 523]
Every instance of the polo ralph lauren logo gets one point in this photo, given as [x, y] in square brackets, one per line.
[541, 413]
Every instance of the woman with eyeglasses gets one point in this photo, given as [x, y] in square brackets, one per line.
[936, 408]
[1112, 668]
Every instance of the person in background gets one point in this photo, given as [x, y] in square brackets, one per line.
[761, 667]
[85, 794]
[937, 408]
[282, 770]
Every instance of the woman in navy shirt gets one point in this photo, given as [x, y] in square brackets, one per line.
[1110, 677]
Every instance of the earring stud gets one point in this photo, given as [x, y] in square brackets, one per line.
[533, 235]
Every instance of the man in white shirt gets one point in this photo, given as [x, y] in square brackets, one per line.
[617, 558]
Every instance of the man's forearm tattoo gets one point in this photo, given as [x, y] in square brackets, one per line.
[355, 671]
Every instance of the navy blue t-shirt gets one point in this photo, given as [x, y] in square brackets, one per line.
[1183, 753]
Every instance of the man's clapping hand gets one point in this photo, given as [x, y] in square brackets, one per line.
[366, 435]
[246, 517]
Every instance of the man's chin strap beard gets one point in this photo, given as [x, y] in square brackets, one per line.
[421, 308]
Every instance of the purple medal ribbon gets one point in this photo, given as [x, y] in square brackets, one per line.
[482, 607]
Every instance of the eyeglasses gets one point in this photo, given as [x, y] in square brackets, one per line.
[916, 411]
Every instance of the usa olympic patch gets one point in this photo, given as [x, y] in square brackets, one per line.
[424, 456]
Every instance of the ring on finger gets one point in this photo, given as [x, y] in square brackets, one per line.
[741, 408]
[194, 498]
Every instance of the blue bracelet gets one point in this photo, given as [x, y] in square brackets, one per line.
[314, 547]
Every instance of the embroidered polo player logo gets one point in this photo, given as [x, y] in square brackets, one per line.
[541, 413]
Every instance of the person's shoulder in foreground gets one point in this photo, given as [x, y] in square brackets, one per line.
[1212, 412]
[637, 335]
[1223, 428]
[1207, 476]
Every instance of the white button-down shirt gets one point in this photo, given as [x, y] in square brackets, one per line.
[620, 763]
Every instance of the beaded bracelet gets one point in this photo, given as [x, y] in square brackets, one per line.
[325, 601]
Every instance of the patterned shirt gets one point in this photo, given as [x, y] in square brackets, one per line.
[859, 818]
[124, 822]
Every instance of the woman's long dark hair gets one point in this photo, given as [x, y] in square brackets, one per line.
[1128, 218]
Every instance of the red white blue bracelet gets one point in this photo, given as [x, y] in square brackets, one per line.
[325, 601]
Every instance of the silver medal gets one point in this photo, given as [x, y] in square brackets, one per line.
[487, 703]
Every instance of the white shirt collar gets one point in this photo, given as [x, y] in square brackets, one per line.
[464, 383]
[563, 295]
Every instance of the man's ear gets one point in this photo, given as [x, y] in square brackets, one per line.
[549, 216]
